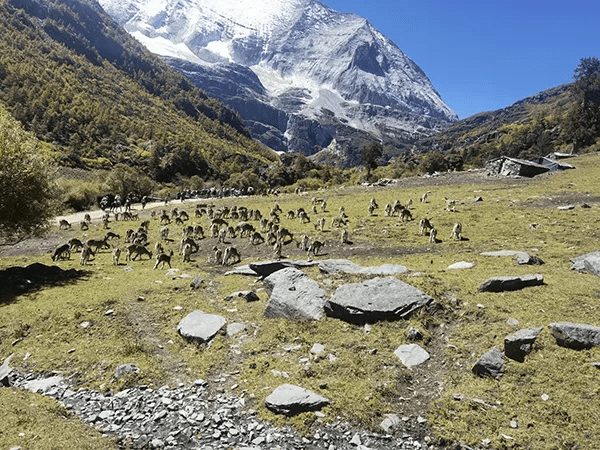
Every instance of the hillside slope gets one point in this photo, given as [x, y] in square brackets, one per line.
[77, 80]
[534, 126]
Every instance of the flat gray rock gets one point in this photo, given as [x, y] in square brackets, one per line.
[343, 265]
[511, 283]
[589, 262]
[460, 265]
[577, 336]
[411, 355]
[235, 328]
[518, 344]
[529, 260]
[374, 300]
[199, 326]
[503, 253]
[293, 295]
[43, 384]
[490, 364]
[290, 399]
[242, 270]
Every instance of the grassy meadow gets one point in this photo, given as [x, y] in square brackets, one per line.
[129, 313]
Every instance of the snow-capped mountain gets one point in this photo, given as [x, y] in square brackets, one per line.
[303, 76]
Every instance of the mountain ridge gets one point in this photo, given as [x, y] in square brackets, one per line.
[307, 57]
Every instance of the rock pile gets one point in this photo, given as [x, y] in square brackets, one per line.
[194, 417]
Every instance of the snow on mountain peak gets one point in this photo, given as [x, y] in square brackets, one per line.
[310, 59]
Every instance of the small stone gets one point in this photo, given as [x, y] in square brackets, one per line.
[514, 424]
[545, 397]
[356, 440]
[109, 312]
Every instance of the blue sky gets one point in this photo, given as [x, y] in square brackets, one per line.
[487, 54]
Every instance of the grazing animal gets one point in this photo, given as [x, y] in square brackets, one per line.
[456, 232]
[338, 222]
[75, 244]
[314, 248]
[64, 224]
[218, 255]
[320, 224]
[188, 241]
[136, 250]
[282, 234]
[87, 218]
[424, 196]
[387, 210]
[222, 235]
[277, 249]
[344, 237]
[245, 229]
[397, 208]
[165, 219]
[214, 230]
[371, 210]
[111, 235]
[86, 253]
[97, 244]
[116, 255]
[303, 217]
[304, 243]
[84, 226]
[186, 253]
[291, 214]
[406, 215]
[198, 232]
[424, 226]
[158, 247]
[231, 256]
[451, 204]
[164, 258]
[373, 203]
[164, 233]
[256, 238]
[219, 222]
[433, 236]
[62, 251]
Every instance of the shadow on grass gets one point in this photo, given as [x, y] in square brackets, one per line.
[18, 280]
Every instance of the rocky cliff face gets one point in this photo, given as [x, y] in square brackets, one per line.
[303, 76]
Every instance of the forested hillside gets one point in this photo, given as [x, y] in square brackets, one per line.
[562, 119]
[76, 80]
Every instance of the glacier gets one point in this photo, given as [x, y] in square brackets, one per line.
[304, 78]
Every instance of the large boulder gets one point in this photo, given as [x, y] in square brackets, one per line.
[374, 300]
[343, 265]
[490, 364]
[290, 399]
[518, 345]
[589, 262]
[575, 335]
[293, 295]
[511, 283]
[200, 327]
